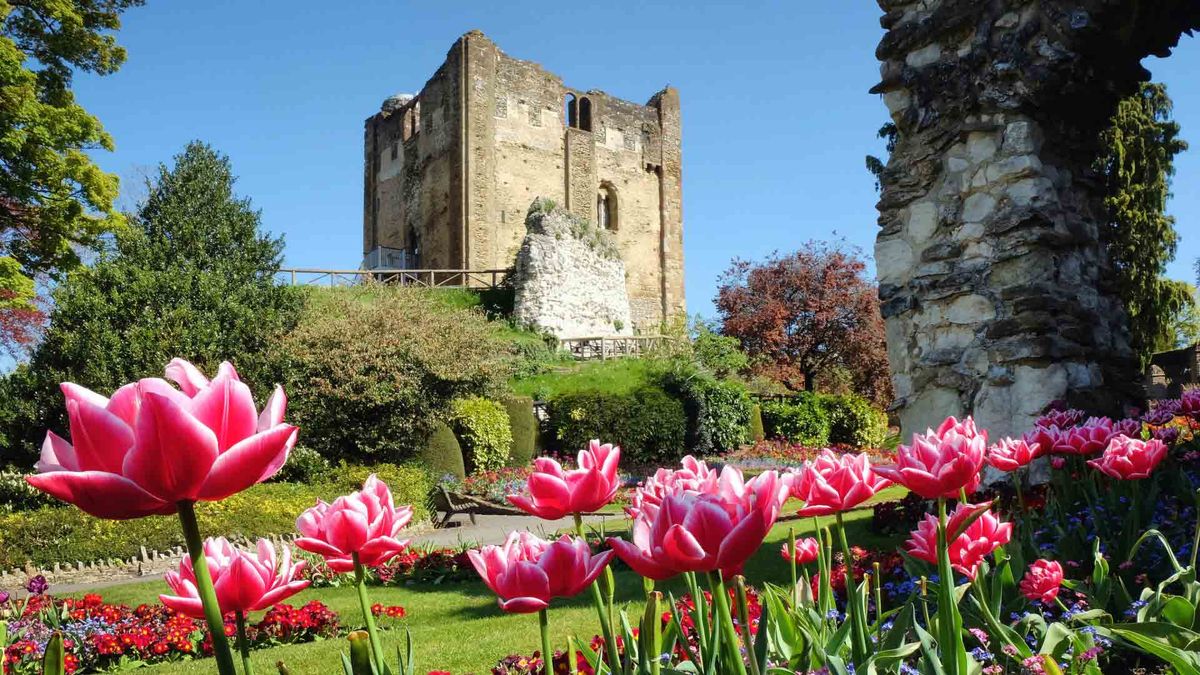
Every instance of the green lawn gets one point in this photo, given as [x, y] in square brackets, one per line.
[618, 376]
[459, 628]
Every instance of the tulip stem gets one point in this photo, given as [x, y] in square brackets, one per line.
[610, 643]
[547, 654]
[205, 589]
[1196, 537]
[243, 644]
[855, 604]
[360, 582]
[792, 565]
[722, 613]
[954, 652]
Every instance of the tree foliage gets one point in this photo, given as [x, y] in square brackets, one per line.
[800, 314]
[193, 277]
[53, 197]
[1137, 163]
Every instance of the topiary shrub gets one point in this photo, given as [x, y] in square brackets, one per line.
[648, 423]
[482, 428]
[524, 427]
[756, 424]
[304, 465]
[854, 421]
[443, 454]
[799, 419]
[17, 495]
[368, 369]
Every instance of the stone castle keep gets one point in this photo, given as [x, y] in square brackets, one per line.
[450, 173]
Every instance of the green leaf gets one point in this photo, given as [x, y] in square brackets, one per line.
[53, 662]
[1184, 663]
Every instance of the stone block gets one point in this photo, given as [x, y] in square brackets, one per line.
[922, 221]
[978, 207]
[981, 146]
[893, 260]
[970, 309]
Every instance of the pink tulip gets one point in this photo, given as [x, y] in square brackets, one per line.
[1063, 419]
[526, 572]
[1042, 581]
[362, 524]
[693, 477]
[554, 493]
[1086, 439]
[940, 463]
[832, 483]
[1128, 458]
[1011, 454]
[244, 582]
[969, 548]
[806, 550]
[152, 446]
[704, 532]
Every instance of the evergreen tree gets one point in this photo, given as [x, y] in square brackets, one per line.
[193, 277]
[1137, 163]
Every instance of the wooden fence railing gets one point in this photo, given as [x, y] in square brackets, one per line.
[303, 276]
[606, 347]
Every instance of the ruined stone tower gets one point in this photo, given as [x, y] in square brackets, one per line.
[450, 172]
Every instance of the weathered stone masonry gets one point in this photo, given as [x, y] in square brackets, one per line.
[450, 172]
[992, 275]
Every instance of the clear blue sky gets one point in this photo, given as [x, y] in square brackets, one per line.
[777, 118]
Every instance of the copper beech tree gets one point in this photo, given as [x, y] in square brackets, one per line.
[807, 316]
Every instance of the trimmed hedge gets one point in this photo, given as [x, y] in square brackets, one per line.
[853, 420]
[756, 424]
[443, 454]
[64, 534]
[524, 427]
[648, 423]
[800, 419]
[718, 411]
[482, 429]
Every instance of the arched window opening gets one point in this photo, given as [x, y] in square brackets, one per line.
[585, 114]
[571, 111]
[606, 208]
[416, 119]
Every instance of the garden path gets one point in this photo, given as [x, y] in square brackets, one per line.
[488, 529]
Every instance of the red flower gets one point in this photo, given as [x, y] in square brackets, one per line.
[1130, 458]
[940, 463]
[806, 550]
[1042, 581]
[970, 547]
[1011, 454]
[832, 483]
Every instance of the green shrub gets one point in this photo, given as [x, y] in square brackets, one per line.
[53, 534]
[482, 428]
[304, 465]
[524, 427]
[17, 495]
[719, 354]
[718, 411]
[443, 454]
[756, 424]
[370, 368]
[800, 419]
[648, 423]
[853, 420]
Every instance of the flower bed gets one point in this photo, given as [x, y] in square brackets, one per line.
[99, 636]
[780, 454]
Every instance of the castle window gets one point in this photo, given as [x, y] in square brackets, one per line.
[585, 114]
[606, 207]
[395, 149]
[406, 125]
[571, 111]
[415, 120]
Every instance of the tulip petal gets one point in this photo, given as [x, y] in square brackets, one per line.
[346, 529]
[100, 439]
[125, 403]
[248, 462]
[281, 593]
[522, 605]
[272, 413]
[187, 606]
[74, 392]
[639, 562]
[742, 541]
[173, 452]
[104, 495]
[57, 455]
[187, 376]
[227, 407]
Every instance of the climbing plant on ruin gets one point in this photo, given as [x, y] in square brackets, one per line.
[1137, 163]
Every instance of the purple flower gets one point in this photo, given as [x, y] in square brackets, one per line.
[3, 597]
[37, 585]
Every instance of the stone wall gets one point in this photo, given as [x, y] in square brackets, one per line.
[993, 278]
[505, 140]
[569, 278]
